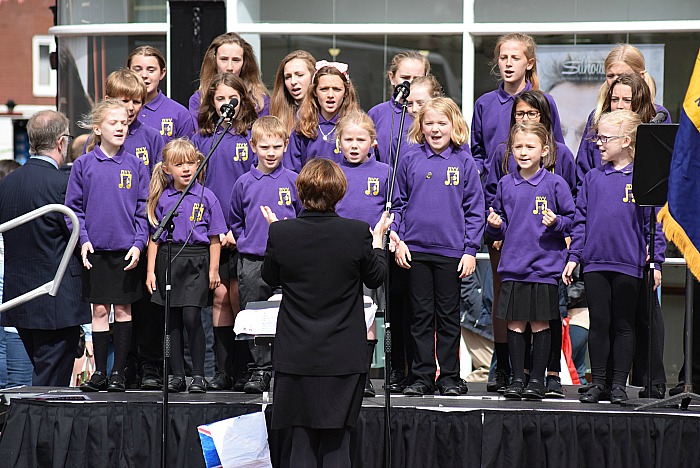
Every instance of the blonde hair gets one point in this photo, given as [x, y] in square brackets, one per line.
[431, 83]
[447, 107]
[307, 125]
[406, 55]
[268, 126]
[530, 128]
[250, 72]
[530, 46]
[633, 58]
[125, 83]
[282, 105]
[95, 118]
[176, 151]
[358, 118]
[627, 121]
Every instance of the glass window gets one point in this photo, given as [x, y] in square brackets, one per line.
[43, 77]
[111, 11]
[368, 58]
[351, 11]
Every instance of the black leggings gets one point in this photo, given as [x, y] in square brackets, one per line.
[190, 318]
[612, 301]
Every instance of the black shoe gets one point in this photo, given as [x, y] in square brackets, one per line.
[151, 379]
[397, 381]
[97, 382]
[259, 382]
[221, 381]
[554, 388]
[658, 391]
[515, 390]
[463, 389]
[618, 395]
[177, 384]
[369, 388]
[418, 389]
[449, 389]
[594, 394]
[243, 379]
[499, 382]
[535, 390]
[584, 388]
[116, 382]
[198, 384]
[677, 390]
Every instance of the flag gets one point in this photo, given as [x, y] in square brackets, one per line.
[681, 215]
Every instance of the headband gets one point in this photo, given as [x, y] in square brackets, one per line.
[340, 66]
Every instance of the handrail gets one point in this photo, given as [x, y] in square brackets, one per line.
[50, 288]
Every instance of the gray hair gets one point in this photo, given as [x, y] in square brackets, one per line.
[44, 128]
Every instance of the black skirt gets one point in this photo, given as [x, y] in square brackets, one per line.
[529, 302]
[228, 265]
[317, 402]
[107, 282]
[190, 270]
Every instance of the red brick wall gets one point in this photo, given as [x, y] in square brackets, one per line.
[20, 20]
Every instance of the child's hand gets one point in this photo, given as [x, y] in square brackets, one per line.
[403, 255]
[393, 241]
[467, 265]
[151, 282]
[87, 247]
[227, 240]
[214, 279]
[268, 214]
[567, 275]
[497, 244]
[549, 218]
[494, 219]
[133, 256]
[657, 279]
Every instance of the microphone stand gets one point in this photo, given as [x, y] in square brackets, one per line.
[387, 283]
[169, 224]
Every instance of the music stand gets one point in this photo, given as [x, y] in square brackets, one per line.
[653, 153]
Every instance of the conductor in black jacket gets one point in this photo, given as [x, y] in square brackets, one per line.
[320, 360]
[48, 326]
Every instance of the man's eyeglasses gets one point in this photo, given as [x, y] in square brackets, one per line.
[69, 136]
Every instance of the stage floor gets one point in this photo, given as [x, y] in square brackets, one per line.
[65, 427]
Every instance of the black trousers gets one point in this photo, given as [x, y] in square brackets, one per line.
[252, 288]
[313, 448]
[435, 287]
[52, 353]
[400, 316]
[612, 304]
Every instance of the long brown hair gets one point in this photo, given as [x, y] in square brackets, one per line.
[245, 115]
[530, 46]
[282, 105]
[642, 102]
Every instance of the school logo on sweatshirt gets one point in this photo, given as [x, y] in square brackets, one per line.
[285, 196]
[241, 152]
[337, 146]
[372, 186]
[197, 212]
[166, 127]
[540, 205]
[452, 176]
[142, 154]
[125, 179]
[629, 196]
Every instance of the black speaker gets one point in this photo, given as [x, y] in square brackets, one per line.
[652, 162]
[193, 25]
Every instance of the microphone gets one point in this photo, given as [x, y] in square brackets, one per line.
[227, 110]
[660, 117]
[402, 91]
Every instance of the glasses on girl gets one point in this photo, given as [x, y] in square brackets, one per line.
[531, 114]
[605, 138]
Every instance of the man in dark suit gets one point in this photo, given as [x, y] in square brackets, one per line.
[48, 326]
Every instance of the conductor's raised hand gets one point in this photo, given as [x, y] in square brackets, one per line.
[84, 250]
[268, 214]
[549, 218]
[568, 275]
[380, 229]
[403, 255]
[132, 256]
[467, 265]
[494, 219]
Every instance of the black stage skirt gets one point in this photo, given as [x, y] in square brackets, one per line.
[107, 282]
[228, 265]
[317, 402]
[529, 302]
[190, 269]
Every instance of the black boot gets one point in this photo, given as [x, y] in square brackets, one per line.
[369, 388]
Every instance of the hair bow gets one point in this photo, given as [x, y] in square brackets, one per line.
[340, 66]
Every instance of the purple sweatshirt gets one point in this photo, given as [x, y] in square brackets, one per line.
[109, 197]
[365, 198]
[193, 107]
[202, 216]
[564, 167]
[232, 158]
[301, 149]
[610, 232]
[532, 252]
[588, 155]
[170, 118]
[253, 190]
[438, 203]
[491, 123]
[387, 120]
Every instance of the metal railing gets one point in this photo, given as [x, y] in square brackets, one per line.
[50, 288]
